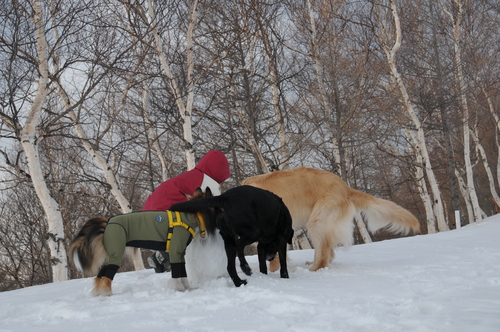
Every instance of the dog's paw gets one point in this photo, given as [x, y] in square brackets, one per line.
[178, 285]
[100, 293]
[247, 270]
[284, 274]
[240, 282]
[102, 287]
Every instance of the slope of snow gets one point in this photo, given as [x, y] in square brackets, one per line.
[443, 282]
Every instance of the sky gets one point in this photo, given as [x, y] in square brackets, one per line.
[448, 281]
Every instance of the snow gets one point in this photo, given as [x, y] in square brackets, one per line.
[448, 281]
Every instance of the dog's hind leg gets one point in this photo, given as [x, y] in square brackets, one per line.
[282, 259]
[240, 246]
[230, 247]
[320, 242]
[328, 227]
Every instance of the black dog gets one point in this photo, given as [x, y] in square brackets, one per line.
[246, 215]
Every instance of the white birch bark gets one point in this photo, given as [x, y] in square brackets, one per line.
[188, 135]
[152, 133]
[420, 144]
[107, 169]
[185, 110]
[253, 144]
[491, 108]
[146, 105]
[365, 235]
[55, 229]
[321, 84]
[95, 154]
[463, 190]
[275, 94]
[459, 77]
[301, 240]
[484, 159]
[422, 186]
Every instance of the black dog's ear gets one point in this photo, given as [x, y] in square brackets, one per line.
[208, 192]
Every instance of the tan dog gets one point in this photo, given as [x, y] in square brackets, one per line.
[326, 206]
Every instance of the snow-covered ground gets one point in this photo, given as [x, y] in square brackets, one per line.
[443, 282]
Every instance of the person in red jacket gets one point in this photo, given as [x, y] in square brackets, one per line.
[211, 171]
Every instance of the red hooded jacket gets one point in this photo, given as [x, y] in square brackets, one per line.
[214, 165]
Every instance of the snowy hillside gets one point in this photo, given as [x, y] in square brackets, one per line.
[444, 282]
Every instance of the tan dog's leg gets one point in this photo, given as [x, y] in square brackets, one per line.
[274, 265]
[328, 226]
[102, 286]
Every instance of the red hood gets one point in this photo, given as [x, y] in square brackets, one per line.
[215, 165]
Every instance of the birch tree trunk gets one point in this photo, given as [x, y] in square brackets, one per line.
[420, 143]
[484, 159]
[275, 89]
[465, 195]
[323, 95]
[441, 93]
[55, 229]
[422, 186]
[94, 153]
[185, 109]
[107, 169]
[151, 132]
[146, 105]
[253, 143]
[459, 77]
[491, 108]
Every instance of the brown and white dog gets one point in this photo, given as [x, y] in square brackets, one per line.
[323, 203]
[98, 248]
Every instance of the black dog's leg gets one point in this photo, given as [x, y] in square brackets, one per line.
[262, 258]
[241, 256]
[282, 254]
[231, 263]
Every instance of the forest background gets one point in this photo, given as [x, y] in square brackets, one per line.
[102, 100]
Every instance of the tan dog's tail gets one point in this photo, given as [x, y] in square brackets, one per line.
[381, 213]
[87, 249]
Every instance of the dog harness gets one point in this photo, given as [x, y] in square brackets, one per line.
[155, 230]
[178, 222]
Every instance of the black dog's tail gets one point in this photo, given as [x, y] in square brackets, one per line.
[200, 204]
[209, 206]
[87, 249]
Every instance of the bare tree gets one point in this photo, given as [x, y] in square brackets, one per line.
[265, 30]
[28, 132]
[456, 18]
[390, 36]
